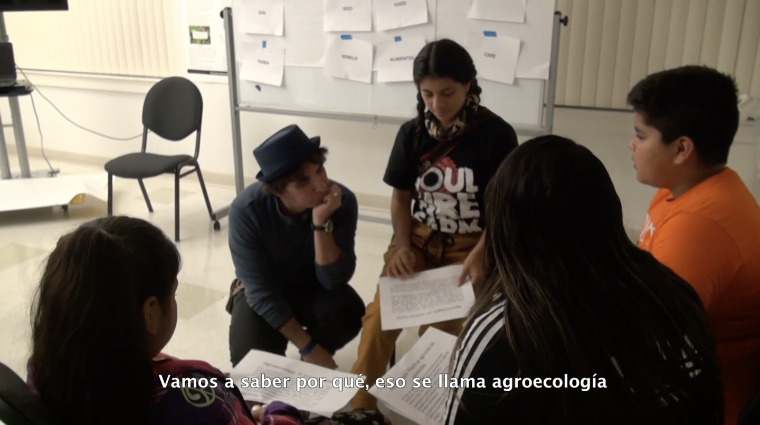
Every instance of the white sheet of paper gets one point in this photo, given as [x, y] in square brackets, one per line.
[348, 15]
[498, 10]
[429, 297]
[263, 17]
[324, 401]
[349, 59]
[535, 52]
[263, 65]
[428, 359]
[206, 50]
[495, 57]
[395, 59]
[400, 13]
[200, 35]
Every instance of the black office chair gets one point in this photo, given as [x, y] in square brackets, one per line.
[173, 109]
[18, 406]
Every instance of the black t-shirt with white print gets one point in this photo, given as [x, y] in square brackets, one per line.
[449, 194]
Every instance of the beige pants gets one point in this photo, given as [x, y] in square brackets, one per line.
[376, 346]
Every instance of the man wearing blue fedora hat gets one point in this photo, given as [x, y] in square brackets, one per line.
[292, 244]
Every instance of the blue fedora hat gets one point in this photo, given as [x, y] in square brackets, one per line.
[283, 152]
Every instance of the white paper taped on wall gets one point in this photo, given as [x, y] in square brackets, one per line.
[205, 47]
[349, 58]
[422, 397]
[263, 17]
[535, 50]
[395, 58]
[348, 15]
[393, 14]
[498, 10]
[495, 56]
[429, 297]
[303, 37]
[263, 64]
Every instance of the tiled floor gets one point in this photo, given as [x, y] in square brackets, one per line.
[26, 237]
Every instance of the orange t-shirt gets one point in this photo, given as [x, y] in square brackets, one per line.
[710, 236]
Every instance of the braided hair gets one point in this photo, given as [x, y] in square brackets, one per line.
[441, 59]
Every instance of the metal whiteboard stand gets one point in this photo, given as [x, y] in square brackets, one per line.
[551, 93]
[237, 144]
[236, 107]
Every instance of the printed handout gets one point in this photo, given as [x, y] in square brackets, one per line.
[303, 385]
[422, 398]
[429, 297]
[206, 48]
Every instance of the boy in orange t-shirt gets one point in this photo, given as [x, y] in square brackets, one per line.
[703, 222]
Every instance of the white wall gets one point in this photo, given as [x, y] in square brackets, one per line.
[358, 152]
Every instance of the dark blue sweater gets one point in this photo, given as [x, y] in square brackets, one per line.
[273, 254]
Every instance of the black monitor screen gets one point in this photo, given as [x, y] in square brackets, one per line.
[32, 5]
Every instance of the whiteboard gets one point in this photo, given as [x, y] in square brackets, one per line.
[306, 88]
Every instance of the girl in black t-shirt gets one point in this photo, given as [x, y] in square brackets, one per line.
[439, 168]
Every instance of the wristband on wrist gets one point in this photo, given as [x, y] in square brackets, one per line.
[306, 350]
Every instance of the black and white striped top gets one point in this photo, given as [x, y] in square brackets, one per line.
[486, 353]
[478, 337]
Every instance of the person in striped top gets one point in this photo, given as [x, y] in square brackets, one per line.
[573, 324]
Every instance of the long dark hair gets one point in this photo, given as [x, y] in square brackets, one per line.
[90, 362]
[578, 292]
[442, 59]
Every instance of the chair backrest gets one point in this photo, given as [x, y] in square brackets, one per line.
[173, 108]
[18, 406]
